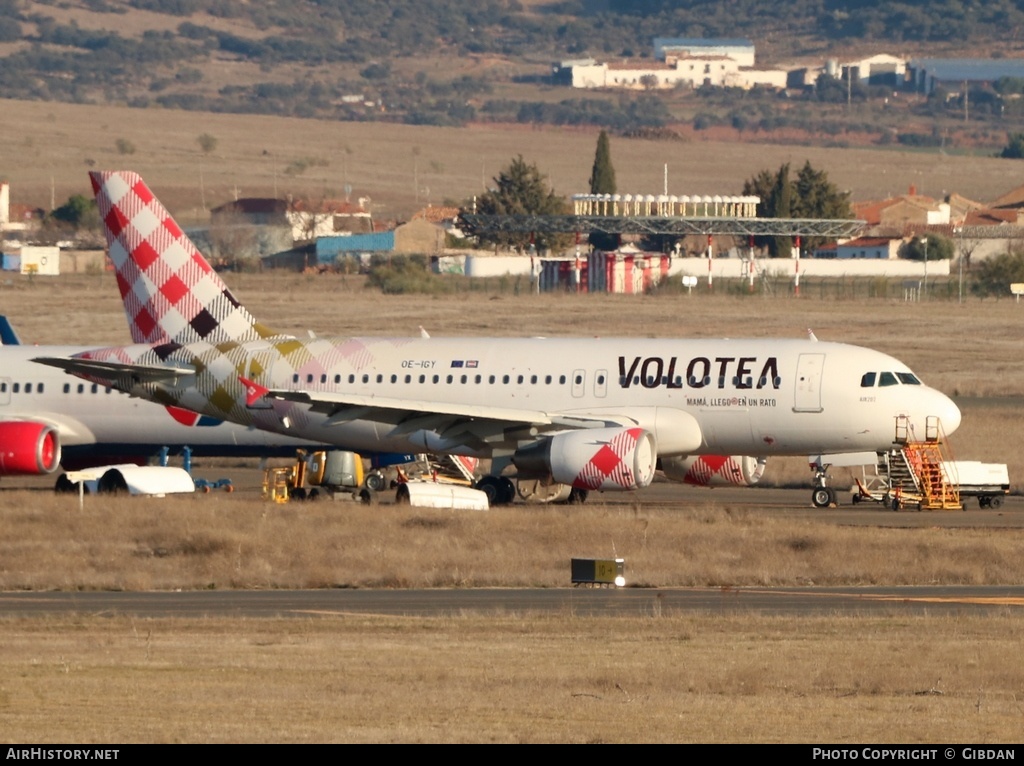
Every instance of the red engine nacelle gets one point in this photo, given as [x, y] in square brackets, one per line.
[594, 459]
[28, 448]
[714, 470]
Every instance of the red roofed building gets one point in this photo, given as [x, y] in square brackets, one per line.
[897, 213]
[989, 216]
[1012, 199]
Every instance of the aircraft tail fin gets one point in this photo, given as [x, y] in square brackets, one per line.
[8, 337]
[171, 294]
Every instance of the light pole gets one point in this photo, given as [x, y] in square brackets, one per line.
[924, 288]
[959, 231]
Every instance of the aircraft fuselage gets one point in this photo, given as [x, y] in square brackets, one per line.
[757, 397]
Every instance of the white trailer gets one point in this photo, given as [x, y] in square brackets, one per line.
[987, 482]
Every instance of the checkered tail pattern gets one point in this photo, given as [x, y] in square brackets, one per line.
[171, 293]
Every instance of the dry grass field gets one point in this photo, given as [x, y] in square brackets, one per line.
[513, 678]
[49, 147]
[238, 541]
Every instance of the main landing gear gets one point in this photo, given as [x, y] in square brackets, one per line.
[499, 489]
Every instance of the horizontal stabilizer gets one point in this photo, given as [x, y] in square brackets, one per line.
[114, 371]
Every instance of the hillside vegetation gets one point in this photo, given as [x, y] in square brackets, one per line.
[451, 62]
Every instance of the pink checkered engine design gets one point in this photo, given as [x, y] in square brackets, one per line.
[707, 468]
[612, 466]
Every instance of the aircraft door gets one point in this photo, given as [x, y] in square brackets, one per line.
[5, 390]
[809, 370]
[579, 382]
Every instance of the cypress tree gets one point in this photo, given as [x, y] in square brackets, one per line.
[602, 176]
[602, 181]
[782, 200]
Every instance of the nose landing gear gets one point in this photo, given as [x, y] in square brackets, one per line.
[822, 496]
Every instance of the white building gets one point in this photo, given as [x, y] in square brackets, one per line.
[739, 50]
[684, 71]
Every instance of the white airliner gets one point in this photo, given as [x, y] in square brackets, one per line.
[594, 414]
[47, 418]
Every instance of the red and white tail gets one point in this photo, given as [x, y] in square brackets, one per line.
[171, 293]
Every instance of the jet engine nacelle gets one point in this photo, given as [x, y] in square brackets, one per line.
[615, 459]
[714, 470]
[28, 448]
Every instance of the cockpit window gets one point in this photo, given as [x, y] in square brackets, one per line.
[888, 379]
[908, 378]
[868, 380]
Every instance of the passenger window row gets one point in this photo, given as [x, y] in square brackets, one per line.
[39, 388]
[17, 388]
[462, 379]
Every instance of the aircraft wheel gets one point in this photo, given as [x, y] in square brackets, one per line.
[490, 487]
[64, 484]
[822, 497]
[506, 491]
[577, 496]
[376, 482]
[112, 482]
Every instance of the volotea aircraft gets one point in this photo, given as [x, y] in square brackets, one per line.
[591, 414]
[48, 419]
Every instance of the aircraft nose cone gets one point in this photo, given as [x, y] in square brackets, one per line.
[949, 414]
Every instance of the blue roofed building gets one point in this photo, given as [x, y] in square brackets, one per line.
[330, 251]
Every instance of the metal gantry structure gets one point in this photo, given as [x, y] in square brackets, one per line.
[679, 226]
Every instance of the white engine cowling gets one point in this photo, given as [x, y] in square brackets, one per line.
[28, 448]
[714, 470]
[615, 459]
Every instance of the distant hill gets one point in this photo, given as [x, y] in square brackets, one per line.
[437, 62]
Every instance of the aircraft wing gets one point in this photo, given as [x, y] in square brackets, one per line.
[412, 414]
[116, 371]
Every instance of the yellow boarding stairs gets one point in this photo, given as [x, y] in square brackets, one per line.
[916, 472]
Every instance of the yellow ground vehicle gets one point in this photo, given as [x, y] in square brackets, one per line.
[330, 471]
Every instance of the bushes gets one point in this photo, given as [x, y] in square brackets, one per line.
[994, 276]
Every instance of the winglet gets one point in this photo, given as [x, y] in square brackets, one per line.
[170, 291]
[253, 391]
